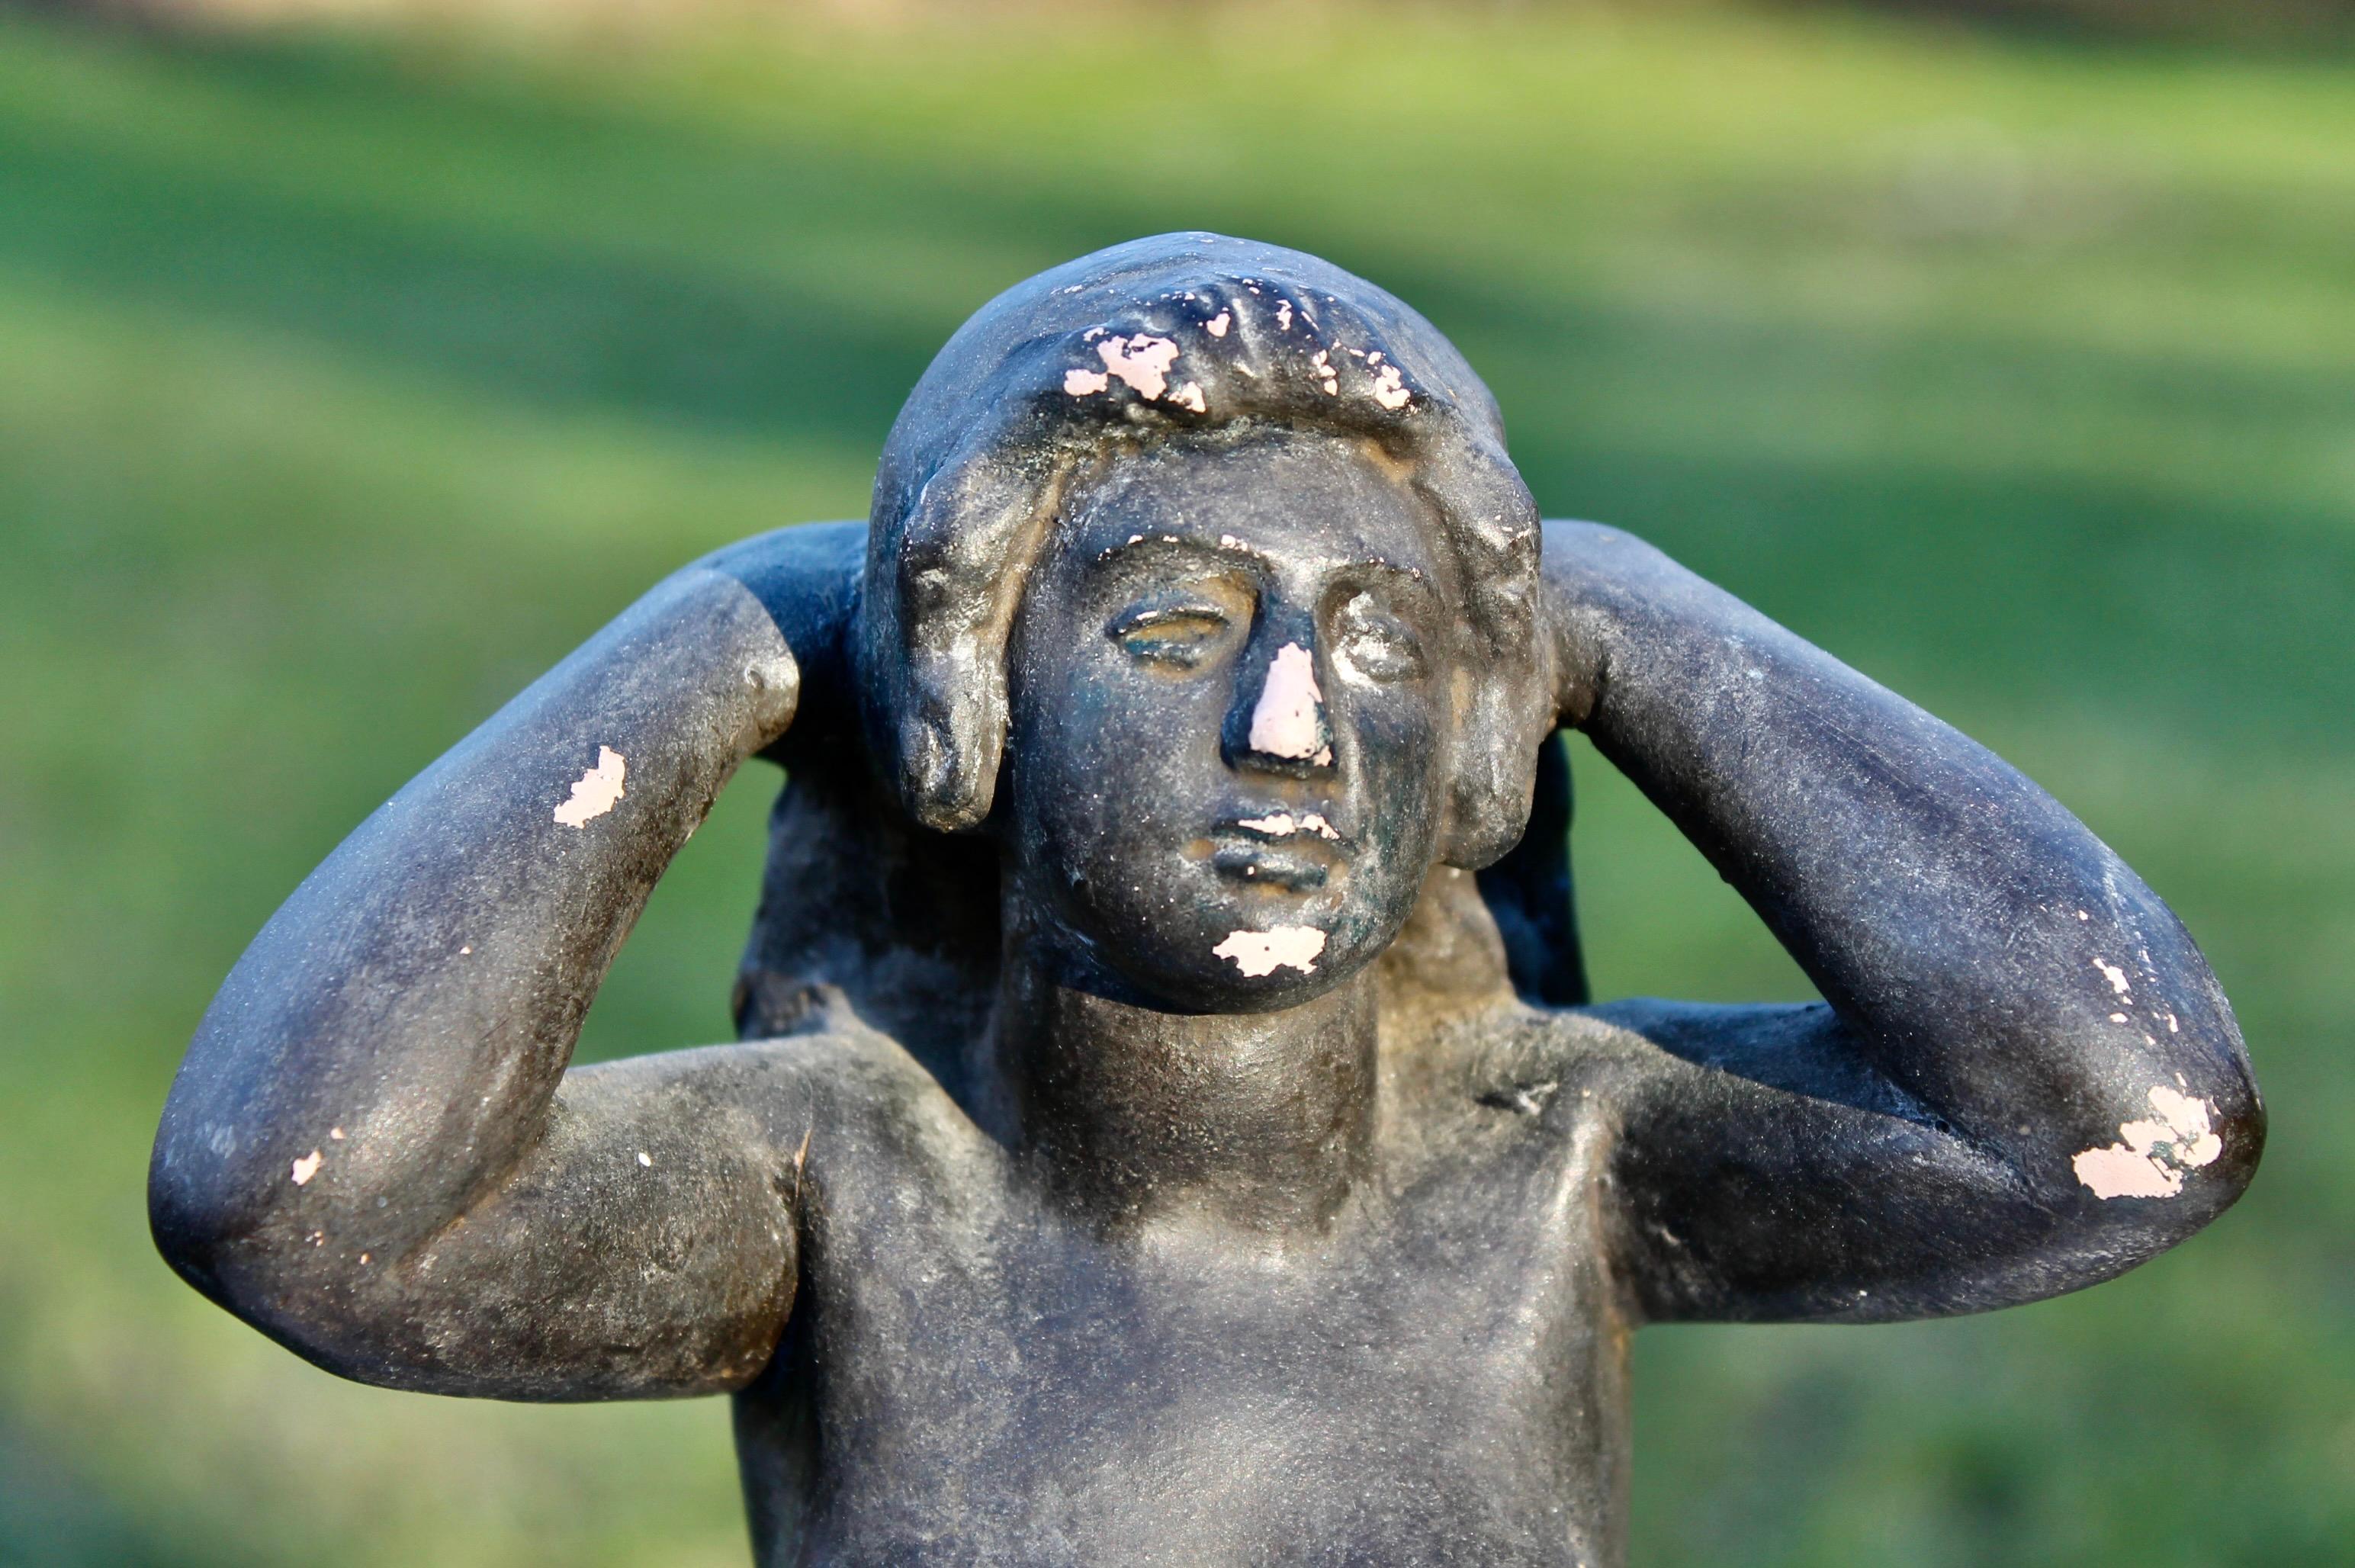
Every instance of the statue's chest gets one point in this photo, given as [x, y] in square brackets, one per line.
[1423, 1382]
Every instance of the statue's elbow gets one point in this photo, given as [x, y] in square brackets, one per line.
[255, 1255]
[2175, 1148]
[2237, 1119]
[203, 1227]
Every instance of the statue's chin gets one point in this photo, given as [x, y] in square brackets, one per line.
[1194, 943]
[1261, 966]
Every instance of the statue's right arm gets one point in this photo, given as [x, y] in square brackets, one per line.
[374, 1151]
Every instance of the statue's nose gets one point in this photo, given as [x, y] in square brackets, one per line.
[1283, 726]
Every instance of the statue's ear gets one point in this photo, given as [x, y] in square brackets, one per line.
[1503, 703]
[943, 584]
[950, 733]
[1496, 771]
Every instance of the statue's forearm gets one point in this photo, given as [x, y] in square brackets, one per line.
[387, 1047]
[1992, 957]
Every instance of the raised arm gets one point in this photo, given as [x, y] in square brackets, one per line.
[2026, 1079]
[374, 1152]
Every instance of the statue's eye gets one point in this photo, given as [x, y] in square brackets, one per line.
[1375, 645]
[1181, 635]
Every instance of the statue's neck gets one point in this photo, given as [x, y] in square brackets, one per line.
[1261, 1121]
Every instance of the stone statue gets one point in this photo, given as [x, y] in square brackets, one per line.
[1167, 1124]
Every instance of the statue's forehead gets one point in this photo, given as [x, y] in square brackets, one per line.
[1294, 496]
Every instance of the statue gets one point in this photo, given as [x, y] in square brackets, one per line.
[1167, 1124]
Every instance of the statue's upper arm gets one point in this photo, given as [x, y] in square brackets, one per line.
[645, 1246]
[1763, 1172]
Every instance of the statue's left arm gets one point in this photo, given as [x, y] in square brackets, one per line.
[2023, 1078]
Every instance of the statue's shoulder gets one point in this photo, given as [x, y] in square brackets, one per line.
[1613, 1052]
[1522, 1072]
[1590, 1056]
[869, 1101]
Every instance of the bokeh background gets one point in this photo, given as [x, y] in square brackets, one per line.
[357, 360]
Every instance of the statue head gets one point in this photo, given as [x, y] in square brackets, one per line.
[1197, 572]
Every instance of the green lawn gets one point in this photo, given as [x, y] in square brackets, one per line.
[343, 385]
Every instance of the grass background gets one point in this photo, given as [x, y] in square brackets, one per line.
[347, 380]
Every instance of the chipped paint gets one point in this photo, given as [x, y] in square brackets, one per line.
[596, 791]
[1190, 396]
[1217, 325]
[2115, 976]
[1284, 824]
[1286, 720]
[1257, 953]
[1080, 383]
[1389, 388]
[1322, 362]
[1142, 361]
[1282, 314]
[307, 1167]
[2151, 1156]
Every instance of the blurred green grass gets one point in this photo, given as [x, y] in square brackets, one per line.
[347, 382]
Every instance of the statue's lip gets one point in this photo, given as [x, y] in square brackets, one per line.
[1290, 868]
[1282, 824]
[1287, 850]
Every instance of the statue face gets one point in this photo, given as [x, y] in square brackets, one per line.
[1229, 722]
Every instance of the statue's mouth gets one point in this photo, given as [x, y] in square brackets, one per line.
[1282, 850]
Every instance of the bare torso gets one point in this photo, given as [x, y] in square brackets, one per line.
[1169, 1395]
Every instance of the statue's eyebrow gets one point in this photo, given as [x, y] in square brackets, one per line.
[1228, 547]
[1410, 583]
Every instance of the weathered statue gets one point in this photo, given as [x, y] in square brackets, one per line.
[1149, 1141]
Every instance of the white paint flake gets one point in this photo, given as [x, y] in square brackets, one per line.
[1217, 324]
[646, 1160]
[595, 792]
[1322, 362]
[2115, 976]
[1389, 388]
[307, 1167]
[1287, 718]
[2151, 1156]
[1142, 361]
[1081, 383]
[1284, 824]
[1257, 953]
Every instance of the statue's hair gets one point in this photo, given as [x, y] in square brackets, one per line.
[1172, 338]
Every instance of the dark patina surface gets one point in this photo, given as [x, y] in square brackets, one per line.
[1168, 1125]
